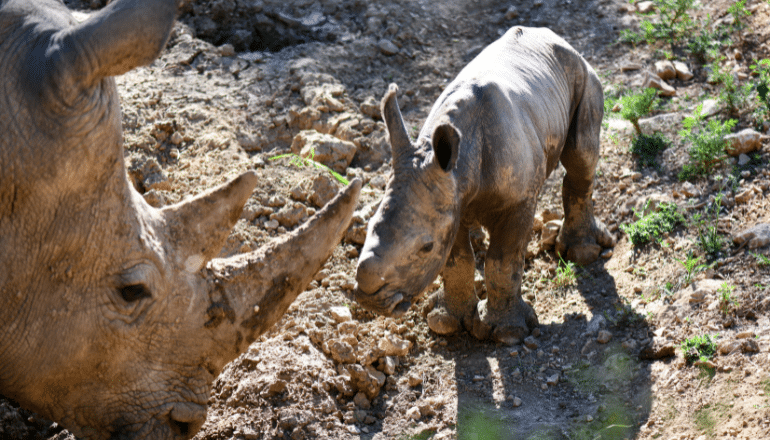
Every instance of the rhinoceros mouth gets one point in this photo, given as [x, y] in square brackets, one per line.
[384, 301]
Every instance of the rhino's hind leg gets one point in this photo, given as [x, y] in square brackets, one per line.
[452, 307]
[503, 316]
[582, 236]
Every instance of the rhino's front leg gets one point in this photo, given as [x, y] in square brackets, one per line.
[453, 307]
[504, 316]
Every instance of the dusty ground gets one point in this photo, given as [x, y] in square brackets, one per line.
[217, 103]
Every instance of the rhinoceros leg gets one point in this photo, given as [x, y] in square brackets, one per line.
[503, 315]
[582, 236]
[454, 306]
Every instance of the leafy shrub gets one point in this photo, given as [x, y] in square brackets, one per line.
[701, 348]
[707, 148]
[709, 239]
[647, 148]
[732, 94]
[654, 224]
[637, 105]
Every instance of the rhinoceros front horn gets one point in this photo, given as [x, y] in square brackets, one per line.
[400, 145]
[260, 286]
[198, 228]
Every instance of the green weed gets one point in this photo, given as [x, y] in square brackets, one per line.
[565, 273]
[707, 149]
[727, 302]
[732, 94]
[709, 239]
[691, 267]
[647, 148]
[761, 71]
[300, 162]
[653, 225]
[701, 348]
[762, 260]
[705, 46]
[637, 105]
[739, 12]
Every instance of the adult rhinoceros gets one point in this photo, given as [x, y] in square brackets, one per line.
[112, 323]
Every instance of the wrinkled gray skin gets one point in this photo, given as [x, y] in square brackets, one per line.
[112, 322]
[528, 101]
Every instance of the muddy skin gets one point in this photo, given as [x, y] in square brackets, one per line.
[495, 134]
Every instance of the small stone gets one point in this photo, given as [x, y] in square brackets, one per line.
[392, 345]
[516, 402]
[552, 380]
[744, 196]
[511, 13]
[341, 314]
[745, 334]
[341, 351]
[549, 232]
[388, 365]
[659, 348]
[271, 224]
[413, 413]
[665, 70]
[361, 401]
[628, 67]
[530, 342]
[745, 141]
[226, 50]
[682, 71]
[414, 380]
[756, 236]
[387, 47]
[654, 81]
[603, 337]
[606, 254]
[645, 7]
[710, 107]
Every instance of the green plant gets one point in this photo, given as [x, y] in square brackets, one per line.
[732, 94]
[653, 225]
[300, 162]
[709, 239]
[705, 45]
[739, 12]
[761, 71]
[637, 105]
[726, 299]
[707, 148]
[762, 260]
[565, 273]
[647, 148]
[702, 348]
[691, 267]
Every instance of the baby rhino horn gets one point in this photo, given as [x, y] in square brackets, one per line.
[198, 228]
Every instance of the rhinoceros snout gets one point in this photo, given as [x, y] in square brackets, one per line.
[186, 419]
[369, 274]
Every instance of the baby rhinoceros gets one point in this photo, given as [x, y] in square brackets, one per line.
[526, 102]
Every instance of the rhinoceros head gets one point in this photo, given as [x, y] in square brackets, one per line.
[115, 316]
[410, 236]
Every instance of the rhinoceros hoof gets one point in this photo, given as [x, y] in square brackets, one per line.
[585, 248]
[509, 327]
[440, 320]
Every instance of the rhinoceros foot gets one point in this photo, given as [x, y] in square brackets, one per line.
[441, 320]
[583, 245]
[509, 326]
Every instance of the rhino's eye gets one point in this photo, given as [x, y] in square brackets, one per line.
[426, 248]
[134, 292]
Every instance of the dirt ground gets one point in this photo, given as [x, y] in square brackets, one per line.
[236, 87]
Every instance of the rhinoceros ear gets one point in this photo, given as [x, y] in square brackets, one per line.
[400, 145]
[198, 227]
[446, 143]
[123, 35]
